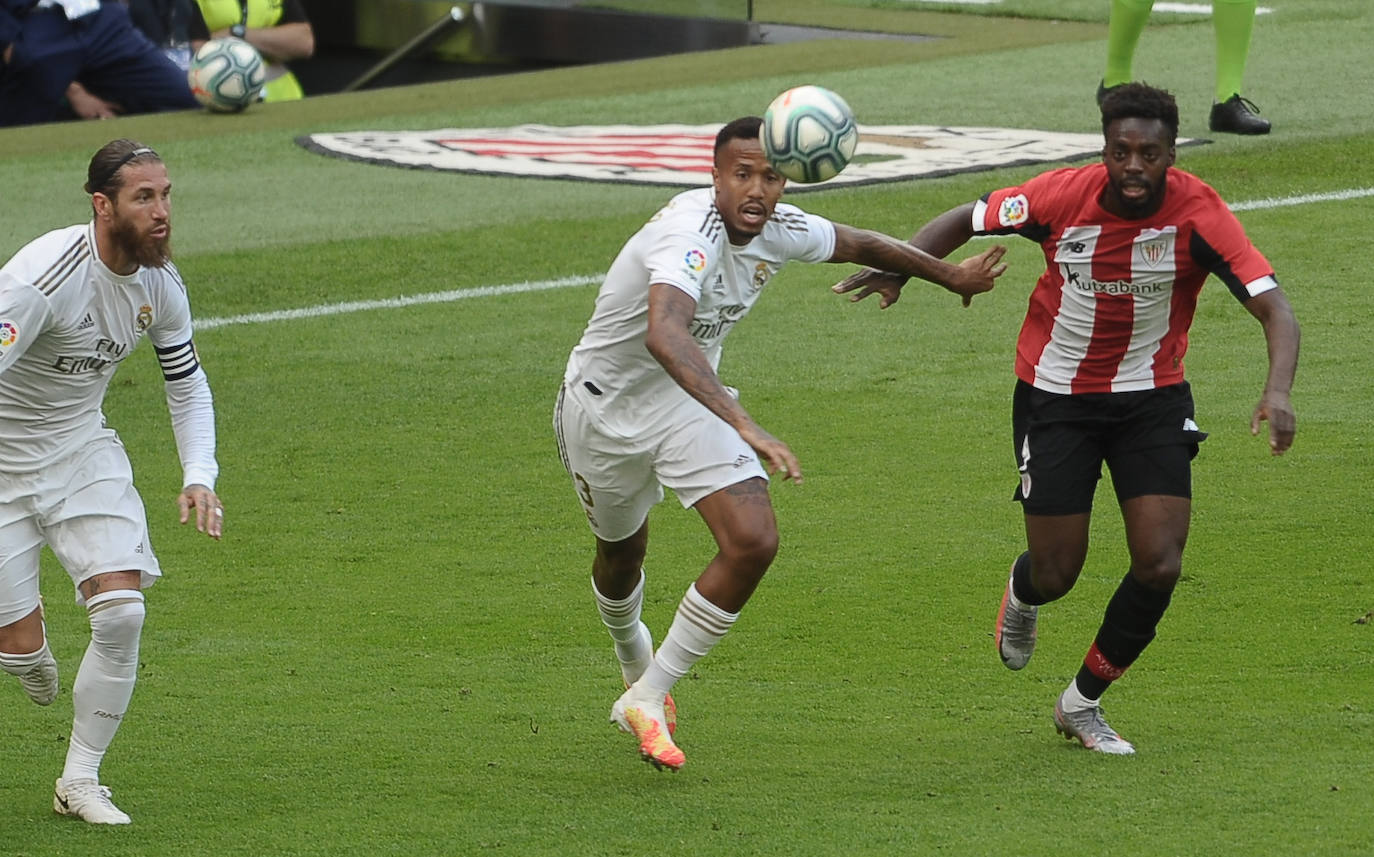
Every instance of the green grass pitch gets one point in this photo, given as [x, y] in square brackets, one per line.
[394, 650]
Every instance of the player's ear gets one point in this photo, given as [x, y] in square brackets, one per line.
[102, 204]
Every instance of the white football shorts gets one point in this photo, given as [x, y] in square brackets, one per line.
[85, 508]
[618, 479]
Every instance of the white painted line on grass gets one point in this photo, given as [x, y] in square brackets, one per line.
[395, 303]
[322, 310]
[1199, 8]
[1304, 199]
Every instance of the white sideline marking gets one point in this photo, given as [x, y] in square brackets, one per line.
[1303, 199]
[1199, 8]
[322, 310]
[394, 303]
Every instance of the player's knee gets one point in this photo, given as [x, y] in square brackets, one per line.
[1053, 580]
[116, 623]
[622, 559]
[1159, 573]
[754, 550]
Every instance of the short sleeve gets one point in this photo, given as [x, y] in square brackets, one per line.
[1220, 245]
[810, 237]
[1026, 209]
[683, 260]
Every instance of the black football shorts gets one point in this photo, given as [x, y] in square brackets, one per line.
[1147, 438]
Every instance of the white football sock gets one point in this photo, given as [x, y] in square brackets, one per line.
[1016, 602]
[21, 664]
[697, 626]
[105, 681]
[634, 645]
[1073, 700]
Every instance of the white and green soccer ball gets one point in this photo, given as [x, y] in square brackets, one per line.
[809, 134]
[226, 75]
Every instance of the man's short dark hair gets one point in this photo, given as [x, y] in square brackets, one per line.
[1140, 101]
[743, 128]
[102, 176]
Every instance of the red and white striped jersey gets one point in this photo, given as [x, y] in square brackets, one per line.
[1111, 312]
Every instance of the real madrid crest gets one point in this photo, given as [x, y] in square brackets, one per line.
[761, 275]
[145, 317]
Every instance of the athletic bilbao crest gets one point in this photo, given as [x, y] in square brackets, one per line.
[680, 155]
[1153, 252]
[1155, 247]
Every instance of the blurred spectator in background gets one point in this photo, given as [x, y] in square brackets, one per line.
[279, 30]
[171, 25]
[1232, 23]
[82, 56]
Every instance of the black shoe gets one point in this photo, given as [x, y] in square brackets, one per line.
[1236, 115]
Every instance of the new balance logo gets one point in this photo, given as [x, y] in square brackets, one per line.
[86, 323]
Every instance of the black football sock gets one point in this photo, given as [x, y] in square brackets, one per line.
[1128, 626]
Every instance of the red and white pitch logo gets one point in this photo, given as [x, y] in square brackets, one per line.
[680, 155]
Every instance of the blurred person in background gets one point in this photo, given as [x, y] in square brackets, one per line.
[81, 57]
[171, 25]
[1232, 23]
[279, 29]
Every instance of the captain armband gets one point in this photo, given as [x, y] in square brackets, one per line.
[178, 361]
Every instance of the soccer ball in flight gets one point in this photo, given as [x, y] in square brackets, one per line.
[809, 134]
[226, 75]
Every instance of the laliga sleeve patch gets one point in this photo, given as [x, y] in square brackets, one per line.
[9, 333]
[693, 263]
[1014, 210]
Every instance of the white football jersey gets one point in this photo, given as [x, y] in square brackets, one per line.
[684, 245]
[66, 323]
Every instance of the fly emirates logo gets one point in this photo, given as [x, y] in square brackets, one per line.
[107, 351]
[704, 330]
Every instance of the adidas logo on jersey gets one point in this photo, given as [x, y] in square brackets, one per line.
[86, 323]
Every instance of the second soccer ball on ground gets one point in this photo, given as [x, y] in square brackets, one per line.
[226, 75]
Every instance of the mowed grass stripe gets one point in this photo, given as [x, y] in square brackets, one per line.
[451, 295]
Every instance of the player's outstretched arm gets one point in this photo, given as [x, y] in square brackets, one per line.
[921, 258]
[668, 340]
[209, 511]
[1282, 335]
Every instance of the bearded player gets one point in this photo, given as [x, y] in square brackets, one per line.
[1128, 243]
[73, 305]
